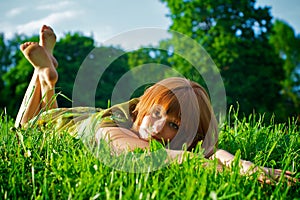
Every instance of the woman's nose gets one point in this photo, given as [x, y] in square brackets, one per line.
[158, 124]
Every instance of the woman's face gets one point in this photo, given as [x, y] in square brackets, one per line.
[159, 125]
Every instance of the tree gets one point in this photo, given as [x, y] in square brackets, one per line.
[117, 65]
[70, 51]
[287, 47]
[76, 51]
[235, 34]
[17, 74]
[5, 62]
[147, 63]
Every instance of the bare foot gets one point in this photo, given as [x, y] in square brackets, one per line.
[40, 59]
[48, 40]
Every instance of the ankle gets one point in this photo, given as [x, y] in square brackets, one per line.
[48, 77]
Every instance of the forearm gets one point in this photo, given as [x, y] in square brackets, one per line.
[225, 158]
[121, 139]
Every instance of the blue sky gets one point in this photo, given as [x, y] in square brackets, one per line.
[106, 19]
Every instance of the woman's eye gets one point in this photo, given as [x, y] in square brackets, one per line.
[156, 114]
[173, 125]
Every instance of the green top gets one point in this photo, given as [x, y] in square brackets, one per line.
[78, 121]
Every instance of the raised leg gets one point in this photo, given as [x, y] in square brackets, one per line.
[31, 100]
[40, 94]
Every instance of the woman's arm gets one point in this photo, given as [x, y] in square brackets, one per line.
[122, 139]
[267, 175]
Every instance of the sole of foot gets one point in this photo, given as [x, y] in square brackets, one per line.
[48, 41]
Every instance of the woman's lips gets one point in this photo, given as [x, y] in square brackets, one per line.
[156, 138]
[150, 135]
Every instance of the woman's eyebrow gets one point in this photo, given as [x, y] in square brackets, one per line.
[173, 119]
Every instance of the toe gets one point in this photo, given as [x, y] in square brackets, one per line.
[25, 45]
[28, 46]
[44, 27]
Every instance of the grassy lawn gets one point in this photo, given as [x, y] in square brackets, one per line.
[42, 164]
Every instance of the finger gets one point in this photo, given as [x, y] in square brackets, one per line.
[289, 179]
[289, 173]
[264, 179]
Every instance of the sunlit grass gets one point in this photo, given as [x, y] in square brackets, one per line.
[43, 164]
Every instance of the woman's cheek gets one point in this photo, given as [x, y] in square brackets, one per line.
[144, 128]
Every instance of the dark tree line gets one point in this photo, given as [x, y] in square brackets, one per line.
[258, 58]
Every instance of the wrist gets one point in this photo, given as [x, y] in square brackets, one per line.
[247, 167]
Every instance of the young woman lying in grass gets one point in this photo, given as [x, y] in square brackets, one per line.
[170, 112]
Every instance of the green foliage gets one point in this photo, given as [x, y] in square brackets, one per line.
[235, 34]
[287, 47]
[258, 60]
[5, 61]
[44, 164]
[147, 61]
[70, 51]
[261, 141]
[114, 71]
[16, 78]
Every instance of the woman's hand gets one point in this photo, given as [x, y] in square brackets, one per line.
[271, 176]
[267, 175]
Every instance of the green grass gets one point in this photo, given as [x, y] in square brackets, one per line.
[37, 164]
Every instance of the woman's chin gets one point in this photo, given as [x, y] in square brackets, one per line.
[143, 133]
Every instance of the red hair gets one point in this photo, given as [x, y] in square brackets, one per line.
[189, 102]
